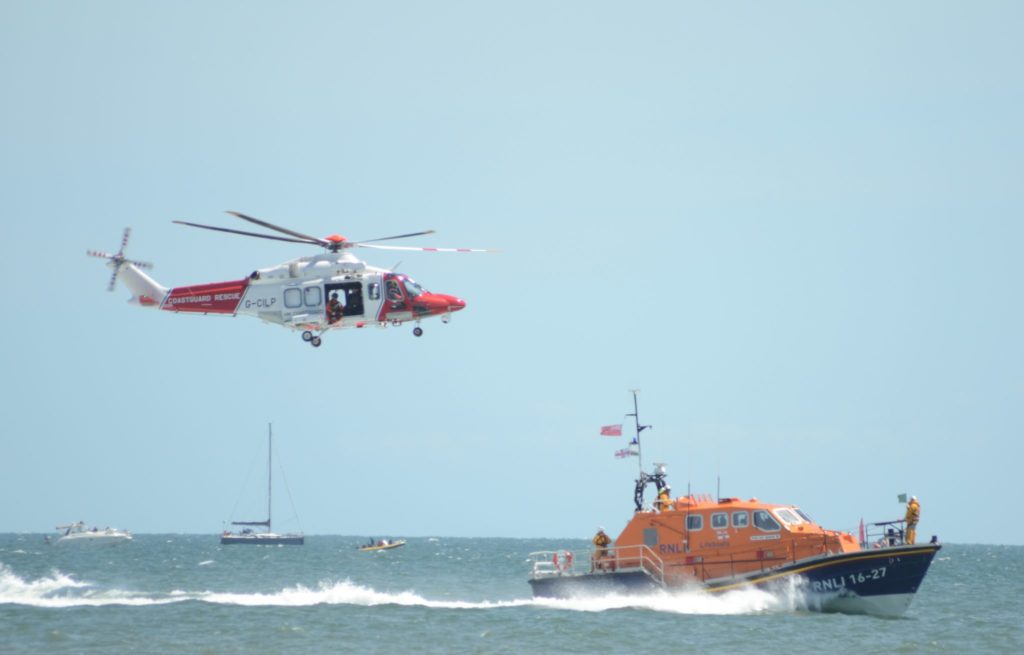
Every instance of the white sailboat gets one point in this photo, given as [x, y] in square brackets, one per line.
[262, 538]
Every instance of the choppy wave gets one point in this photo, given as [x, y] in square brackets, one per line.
[58, 590]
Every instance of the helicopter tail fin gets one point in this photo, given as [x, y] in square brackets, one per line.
[146, 292]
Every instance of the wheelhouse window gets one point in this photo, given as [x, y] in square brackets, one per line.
[313, 296]
[651, 537]
[803, 515]
[719, 521]
[740, 519]
[788, 516]
[765, 521]
[694, 522]
[292, 298]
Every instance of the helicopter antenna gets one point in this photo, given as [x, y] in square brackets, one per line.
[118, 259]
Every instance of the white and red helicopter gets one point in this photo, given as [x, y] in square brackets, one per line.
[329, 291]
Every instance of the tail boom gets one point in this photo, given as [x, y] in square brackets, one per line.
[214, 298]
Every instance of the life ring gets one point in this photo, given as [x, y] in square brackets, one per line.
[563, 563]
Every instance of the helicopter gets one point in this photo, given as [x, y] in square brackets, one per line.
[331, 290]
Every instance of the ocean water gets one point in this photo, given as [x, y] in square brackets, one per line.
[188, 594]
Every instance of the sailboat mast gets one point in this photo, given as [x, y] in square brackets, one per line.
[270, 468]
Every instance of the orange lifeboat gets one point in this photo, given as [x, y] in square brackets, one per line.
[729, 543]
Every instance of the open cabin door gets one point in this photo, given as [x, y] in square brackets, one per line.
[344, 299]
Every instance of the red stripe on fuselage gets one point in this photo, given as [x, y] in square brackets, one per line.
[215, 298]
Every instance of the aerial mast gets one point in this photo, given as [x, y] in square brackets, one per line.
[639, 429]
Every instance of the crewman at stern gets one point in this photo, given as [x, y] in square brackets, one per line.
[913, 516]
[601, 541]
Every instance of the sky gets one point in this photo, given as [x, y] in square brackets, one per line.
[795, 227]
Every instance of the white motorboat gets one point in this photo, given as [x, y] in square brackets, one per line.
[79, 533]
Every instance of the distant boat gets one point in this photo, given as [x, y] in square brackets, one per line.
[79, 533]
[383, 544]
[268, 538]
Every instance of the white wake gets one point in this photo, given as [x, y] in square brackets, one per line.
[58, 590]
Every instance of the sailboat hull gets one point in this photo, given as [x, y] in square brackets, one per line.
[263, 539]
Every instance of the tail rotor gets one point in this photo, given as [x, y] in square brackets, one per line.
[118, 260]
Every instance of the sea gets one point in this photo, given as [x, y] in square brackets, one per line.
[174, 593]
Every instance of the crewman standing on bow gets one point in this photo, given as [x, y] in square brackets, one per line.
[913, 516]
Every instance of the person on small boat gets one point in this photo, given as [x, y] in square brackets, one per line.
[913, 516]
[601, 541]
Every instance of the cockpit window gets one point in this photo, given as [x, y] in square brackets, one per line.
[394, 291]
[412, 288]
[788, 516]
[765, 522]
[803, 515]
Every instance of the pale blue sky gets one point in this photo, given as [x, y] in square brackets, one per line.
[797, 227]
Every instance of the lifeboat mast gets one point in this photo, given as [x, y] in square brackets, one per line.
[658, 477]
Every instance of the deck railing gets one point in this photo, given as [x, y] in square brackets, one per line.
[547, 563]
[884, 534]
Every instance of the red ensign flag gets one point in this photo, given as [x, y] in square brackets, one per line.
[611, 430]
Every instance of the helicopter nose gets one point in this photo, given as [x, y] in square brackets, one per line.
[448, 304]
[455, 304]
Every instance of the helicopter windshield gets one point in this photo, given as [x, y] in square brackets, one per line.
[412, 288]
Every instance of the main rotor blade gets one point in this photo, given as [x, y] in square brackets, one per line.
[250, 234]
[99, 253]
[361, 245]
[282, 230]
[399, 236]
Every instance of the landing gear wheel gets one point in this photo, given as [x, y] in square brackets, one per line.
[315, 342]
[307, 336]
[417, 331]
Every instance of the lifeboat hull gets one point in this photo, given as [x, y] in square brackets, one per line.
[879, 582]
[593, 584]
